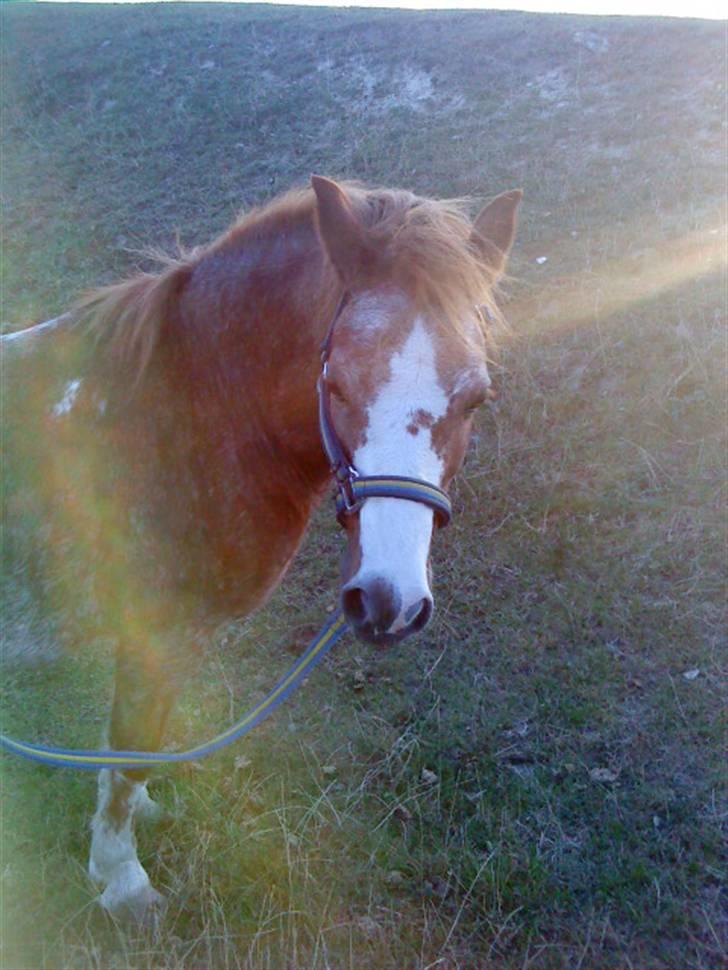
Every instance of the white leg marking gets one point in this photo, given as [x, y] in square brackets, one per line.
[112, 839]
[396, 534]
[113, 862]
[130, 893]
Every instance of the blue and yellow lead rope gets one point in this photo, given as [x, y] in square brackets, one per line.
[92, 760]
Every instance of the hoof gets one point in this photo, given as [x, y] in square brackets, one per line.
[130, 896]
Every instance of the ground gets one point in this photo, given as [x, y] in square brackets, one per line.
[536, 781]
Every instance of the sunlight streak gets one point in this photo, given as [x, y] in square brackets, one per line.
[608, 289]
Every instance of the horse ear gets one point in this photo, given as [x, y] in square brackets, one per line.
[495, 228]
[344, 237]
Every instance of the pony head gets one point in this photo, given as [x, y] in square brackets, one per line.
[407, 371]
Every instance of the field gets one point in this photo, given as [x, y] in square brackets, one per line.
[537, 781]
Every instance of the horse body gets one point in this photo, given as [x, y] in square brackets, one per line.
[182, 449]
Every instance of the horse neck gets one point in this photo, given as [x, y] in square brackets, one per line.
[276, 298]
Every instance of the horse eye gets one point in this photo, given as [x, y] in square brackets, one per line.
[475, 401]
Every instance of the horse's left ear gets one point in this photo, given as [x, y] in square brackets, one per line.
[495, 228]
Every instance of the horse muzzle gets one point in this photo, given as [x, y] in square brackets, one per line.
[377, 612]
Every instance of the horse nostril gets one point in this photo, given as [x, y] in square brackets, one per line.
[420, 613]
[374, 603]
[354, 603]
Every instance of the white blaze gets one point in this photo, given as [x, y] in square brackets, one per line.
[395, 534]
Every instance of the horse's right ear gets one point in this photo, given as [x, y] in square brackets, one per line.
[495, 229]
[344, 237]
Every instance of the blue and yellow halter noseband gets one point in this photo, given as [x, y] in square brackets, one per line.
[354, 488]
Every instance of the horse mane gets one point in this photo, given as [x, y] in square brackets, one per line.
[427, 246]
[129, 315]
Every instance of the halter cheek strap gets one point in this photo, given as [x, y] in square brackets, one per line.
[354, 488]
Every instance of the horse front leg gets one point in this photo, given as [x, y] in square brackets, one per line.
[146, 685]
[113, 863]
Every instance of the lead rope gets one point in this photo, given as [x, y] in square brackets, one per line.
[126, 760]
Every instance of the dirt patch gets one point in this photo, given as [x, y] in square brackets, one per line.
[378, 88]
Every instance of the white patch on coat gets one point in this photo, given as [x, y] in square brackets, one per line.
[373, 311]
[69, 398]
[395, 533]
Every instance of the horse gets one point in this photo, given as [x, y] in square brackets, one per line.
[170, 448]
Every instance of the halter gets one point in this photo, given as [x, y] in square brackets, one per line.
[354, 488]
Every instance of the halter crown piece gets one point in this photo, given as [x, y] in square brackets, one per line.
[354, 488]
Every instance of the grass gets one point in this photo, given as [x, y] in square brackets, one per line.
[534, 782]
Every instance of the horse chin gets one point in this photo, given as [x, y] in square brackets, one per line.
[380, 640]
[368, 633]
